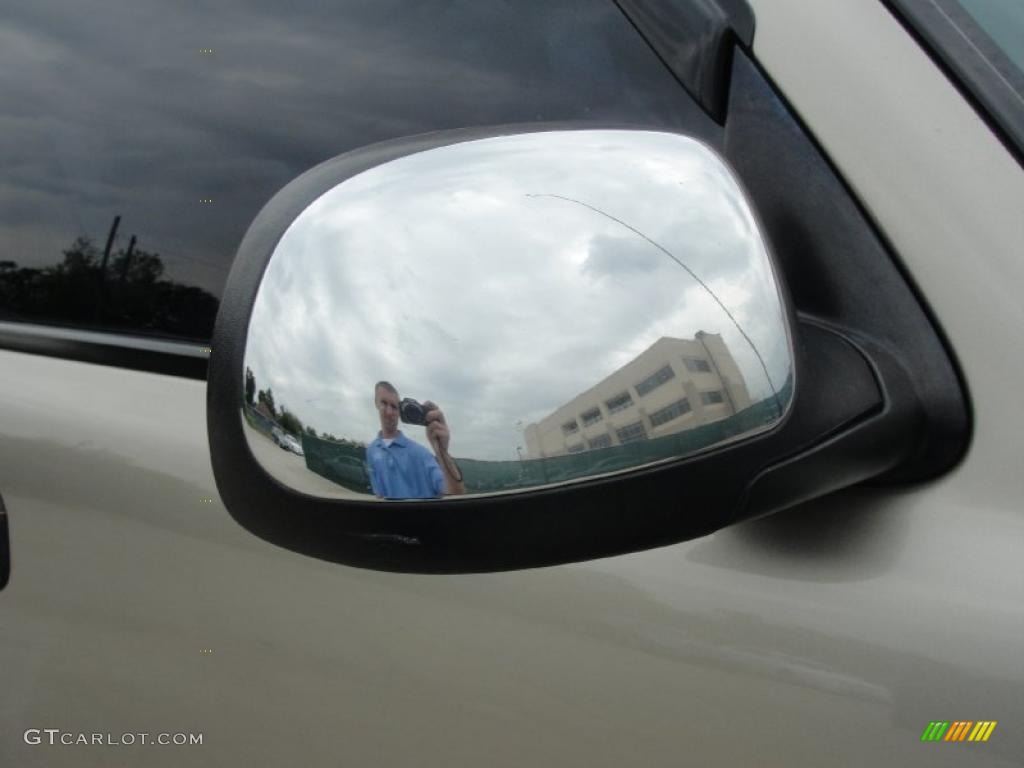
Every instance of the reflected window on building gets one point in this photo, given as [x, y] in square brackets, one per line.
[710, 398]
[696, 365]
[618, 403]
[655, 380]
[667, 414]
[570, 427]
[576, 448]
[632, 433]
[591, 417]
[601, 441]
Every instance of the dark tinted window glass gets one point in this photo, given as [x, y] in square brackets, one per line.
[655, 380]
[632, 433]
[981, 43]
[183, 119]
[619, 403]
[1003, 22]
[670, 412]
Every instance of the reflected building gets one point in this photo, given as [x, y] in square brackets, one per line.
[672, 386]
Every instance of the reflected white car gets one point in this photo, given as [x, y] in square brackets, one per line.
[291, 443]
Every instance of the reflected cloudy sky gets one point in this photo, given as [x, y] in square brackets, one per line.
[499, 278]
[110, 107]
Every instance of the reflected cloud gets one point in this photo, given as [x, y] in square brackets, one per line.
[621, 257]
[501, 278]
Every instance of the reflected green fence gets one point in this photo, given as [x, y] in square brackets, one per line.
[484, 476]
[341, 463]
[345, 463]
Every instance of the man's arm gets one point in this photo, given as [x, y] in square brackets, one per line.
[452, 475]
[439, 436]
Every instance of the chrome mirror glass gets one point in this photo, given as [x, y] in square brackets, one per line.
[556, 307]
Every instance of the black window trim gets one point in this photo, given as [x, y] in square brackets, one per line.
[140, 353]
[966, 54]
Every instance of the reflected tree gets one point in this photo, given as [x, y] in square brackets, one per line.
[266, 396]
[250, 386]
[129, 292]
[289, 421]
[278, 414]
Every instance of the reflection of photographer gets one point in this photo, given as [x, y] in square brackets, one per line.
[401, 468]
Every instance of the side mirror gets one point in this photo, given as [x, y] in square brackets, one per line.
[597, 345]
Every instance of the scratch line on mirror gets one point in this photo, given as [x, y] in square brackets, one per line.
[689, 271]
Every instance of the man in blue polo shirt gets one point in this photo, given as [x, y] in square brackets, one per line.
[403, 469]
